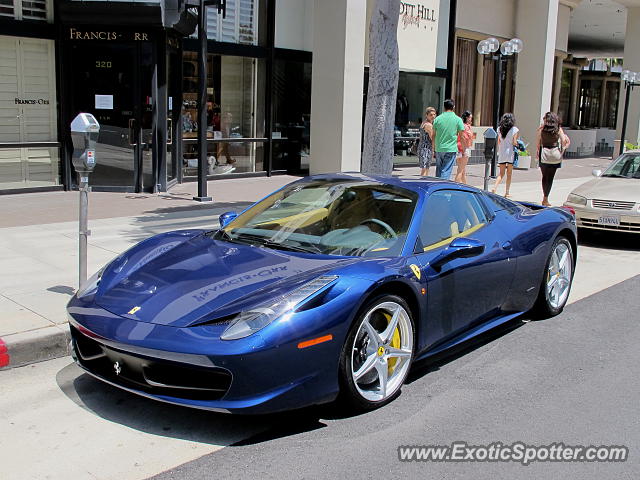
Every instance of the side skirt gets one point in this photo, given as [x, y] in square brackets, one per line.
[469, 334]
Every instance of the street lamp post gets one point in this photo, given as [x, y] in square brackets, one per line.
[630, 79]
[491, 49]
[202, 92]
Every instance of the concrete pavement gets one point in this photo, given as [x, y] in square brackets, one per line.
[38, 245]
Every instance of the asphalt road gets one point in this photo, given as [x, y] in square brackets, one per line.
[573, 379]
[570, 379]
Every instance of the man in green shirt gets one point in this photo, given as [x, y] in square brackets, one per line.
[446, 127]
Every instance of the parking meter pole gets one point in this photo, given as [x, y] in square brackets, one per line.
[83, 187]
[490, 137]
[486, 174]
[84, 134]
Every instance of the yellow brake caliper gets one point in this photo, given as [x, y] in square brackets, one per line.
[395, 343]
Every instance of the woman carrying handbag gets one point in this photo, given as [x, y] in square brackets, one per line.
[551, 145]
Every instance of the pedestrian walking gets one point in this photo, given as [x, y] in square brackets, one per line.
[508, 135]
[550, 146]
[425, 144]
[465, 142]
[446, 127]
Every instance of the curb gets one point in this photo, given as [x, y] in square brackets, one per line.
[23, 348]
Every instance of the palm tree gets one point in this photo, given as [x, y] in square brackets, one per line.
[377, 155]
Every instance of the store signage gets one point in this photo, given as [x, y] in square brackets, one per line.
[31, 101]
[75, 34]
[418, 35]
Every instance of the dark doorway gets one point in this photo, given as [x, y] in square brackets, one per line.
[113, 81]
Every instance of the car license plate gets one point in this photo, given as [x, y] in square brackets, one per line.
[609, 220]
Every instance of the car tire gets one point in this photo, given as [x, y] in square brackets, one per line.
[376, 356]
[556, 280]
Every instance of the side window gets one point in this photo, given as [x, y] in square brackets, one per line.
[450, 214]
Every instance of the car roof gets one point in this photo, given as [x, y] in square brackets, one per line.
[410, 182]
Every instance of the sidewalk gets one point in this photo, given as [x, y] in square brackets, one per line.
[38, 242]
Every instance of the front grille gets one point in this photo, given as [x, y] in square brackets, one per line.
[613, 205]
[623, 227]
[150, 375]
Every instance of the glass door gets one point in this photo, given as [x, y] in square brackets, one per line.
[174, 102]
[113, 82]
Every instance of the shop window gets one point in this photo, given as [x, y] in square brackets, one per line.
[235, 89]
[291, 115]
[416, 92]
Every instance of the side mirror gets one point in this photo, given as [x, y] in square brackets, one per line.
[596, 172]
[458, 248]
[226, 218]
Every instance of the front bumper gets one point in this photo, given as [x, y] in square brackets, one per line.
[587, 217]
[192, 367]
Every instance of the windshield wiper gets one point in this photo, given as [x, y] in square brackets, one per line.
[267, 242]
[613, 175]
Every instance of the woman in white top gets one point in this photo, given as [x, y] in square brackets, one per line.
[508, 135]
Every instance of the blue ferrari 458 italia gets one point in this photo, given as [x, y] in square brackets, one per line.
[329, 288]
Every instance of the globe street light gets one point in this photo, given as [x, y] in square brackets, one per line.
[491, 49]
[630, 79]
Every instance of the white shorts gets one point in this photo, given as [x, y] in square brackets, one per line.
[467, 153]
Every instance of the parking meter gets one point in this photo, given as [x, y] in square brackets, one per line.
[84, 134]
[490, 139]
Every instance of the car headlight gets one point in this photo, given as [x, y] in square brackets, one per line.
[248, 322]
[576, 199]
[91, 285]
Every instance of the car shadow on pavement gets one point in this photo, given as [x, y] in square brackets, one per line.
[154, 417]
[423, 367]
[157, 418]
[608, 240]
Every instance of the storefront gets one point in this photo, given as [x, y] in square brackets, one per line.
[29, 149]
[424, 81]
[139, 78]
[129, 76]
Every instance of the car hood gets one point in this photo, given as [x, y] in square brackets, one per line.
[189, 282]
[611, 188]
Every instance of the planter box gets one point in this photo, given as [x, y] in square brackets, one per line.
[524, 163]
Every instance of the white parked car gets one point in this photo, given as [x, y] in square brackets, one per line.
[611, 201]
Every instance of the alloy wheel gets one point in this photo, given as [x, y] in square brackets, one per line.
[382, 351]
[559, 275]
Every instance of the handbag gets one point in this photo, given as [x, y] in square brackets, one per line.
[413, 149]
[551, 155]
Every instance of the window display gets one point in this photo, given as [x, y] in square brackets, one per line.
[235, 118]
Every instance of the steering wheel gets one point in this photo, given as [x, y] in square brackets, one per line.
[382, 224]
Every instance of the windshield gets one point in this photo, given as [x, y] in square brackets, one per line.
[335, 217]
[626, 166]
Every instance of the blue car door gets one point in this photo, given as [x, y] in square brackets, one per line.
[462, 291]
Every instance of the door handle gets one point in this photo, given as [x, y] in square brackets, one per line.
[506, 245]
[169, 131]
[132, 132]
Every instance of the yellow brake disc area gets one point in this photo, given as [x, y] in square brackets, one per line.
[395, 343]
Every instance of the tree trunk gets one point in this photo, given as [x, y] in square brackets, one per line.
[377, 155]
